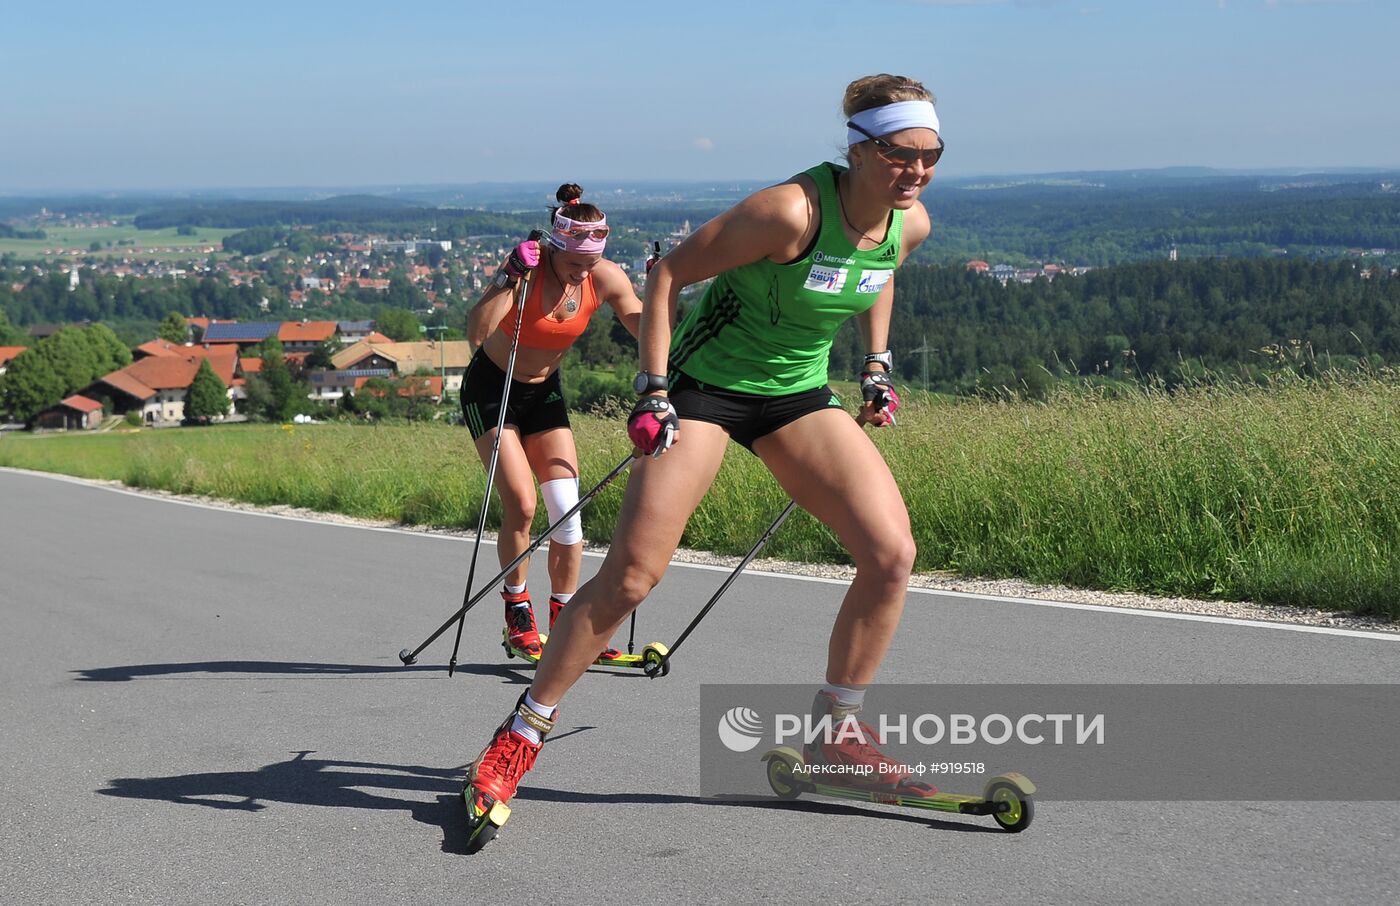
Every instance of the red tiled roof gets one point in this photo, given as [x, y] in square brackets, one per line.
[306, 331]
[173, 372]
[9, 352]
[127, 384]
[159, 346]
[81, 403]
[251, 364]
[376, 337]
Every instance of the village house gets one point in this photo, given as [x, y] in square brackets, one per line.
[449, 358]
[73, 413]
[158, 385]
[305, 336]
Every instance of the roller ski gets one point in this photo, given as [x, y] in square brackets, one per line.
[850, 767]
[651, 660]
[496, 773]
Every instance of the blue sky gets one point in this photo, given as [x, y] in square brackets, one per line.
[153, 95]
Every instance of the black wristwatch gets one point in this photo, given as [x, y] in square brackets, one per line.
[503, 278]
[645, 382]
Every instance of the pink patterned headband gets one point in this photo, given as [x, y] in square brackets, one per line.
[587, 237]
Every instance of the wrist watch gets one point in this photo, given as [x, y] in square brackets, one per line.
[645, 382]
[503, 278]
[885, 358]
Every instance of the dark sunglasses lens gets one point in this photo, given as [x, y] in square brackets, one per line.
[905, 157]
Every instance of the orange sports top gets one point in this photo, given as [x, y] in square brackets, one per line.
[539, 330]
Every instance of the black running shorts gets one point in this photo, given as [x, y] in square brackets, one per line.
[746, 416]
[532, 408]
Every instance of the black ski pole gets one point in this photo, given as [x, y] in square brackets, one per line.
[524, 293]
[654, 669]
[411, 657]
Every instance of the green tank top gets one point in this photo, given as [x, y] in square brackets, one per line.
[767, 328]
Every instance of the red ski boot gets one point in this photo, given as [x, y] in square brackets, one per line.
[521, 632]
[556, 605]
[851, 746]
[496, 773]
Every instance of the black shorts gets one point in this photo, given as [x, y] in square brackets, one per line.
[532, 408]
[746, 416]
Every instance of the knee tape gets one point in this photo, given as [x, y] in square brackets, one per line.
[560, 495]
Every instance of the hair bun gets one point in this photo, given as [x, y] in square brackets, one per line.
[569, 193]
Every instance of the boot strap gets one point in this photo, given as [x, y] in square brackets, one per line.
[542, 725]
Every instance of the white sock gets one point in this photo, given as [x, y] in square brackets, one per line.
[514, 589]
[520, 728]
[846, 696]
[562, 597]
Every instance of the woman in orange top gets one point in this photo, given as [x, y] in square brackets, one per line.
[571, 280]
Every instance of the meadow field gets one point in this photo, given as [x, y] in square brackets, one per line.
[1282, 494]
[62, 241]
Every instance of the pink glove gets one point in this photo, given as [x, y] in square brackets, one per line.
[877, 389]
[654, 257]
[524, 258]
[653, 425]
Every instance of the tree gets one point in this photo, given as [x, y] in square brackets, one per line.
[72, 358]
[29, 385]
[174, 328]
[208, 394]
[397, 324]
[11, 335]
[109, 352]
[320, 357]
[281, 388]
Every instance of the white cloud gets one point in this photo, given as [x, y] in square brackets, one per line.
[705, 144]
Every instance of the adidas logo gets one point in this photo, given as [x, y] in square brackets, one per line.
[553, 397]
[889, 254]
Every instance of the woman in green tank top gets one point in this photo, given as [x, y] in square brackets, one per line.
[791, 263]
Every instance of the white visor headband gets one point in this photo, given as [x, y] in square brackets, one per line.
[881, 121]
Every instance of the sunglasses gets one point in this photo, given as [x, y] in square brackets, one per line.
[901, 155]
[578, 232]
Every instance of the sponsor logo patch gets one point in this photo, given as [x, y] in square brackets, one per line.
[873, 281]
[825, 279]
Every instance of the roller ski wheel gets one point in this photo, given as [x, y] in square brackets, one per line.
[485, 817]
[651, 659]
[654, 653]
[1013, 806]
[1007, 798]
[783, 765]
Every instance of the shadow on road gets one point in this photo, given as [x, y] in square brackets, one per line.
[301, 780]
[131, 672]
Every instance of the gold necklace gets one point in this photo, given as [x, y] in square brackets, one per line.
[842, 206]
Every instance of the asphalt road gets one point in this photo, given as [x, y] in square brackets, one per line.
[203, 705]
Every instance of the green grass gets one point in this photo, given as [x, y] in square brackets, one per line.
[149, 243]
[1285, 494]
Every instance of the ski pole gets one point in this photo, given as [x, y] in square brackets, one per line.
[654, 257]
[410, 657]
[525, 281]
[654, 669]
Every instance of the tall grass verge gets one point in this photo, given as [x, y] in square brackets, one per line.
[1288, 493]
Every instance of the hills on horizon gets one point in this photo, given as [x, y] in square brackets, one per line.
[506, 195]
